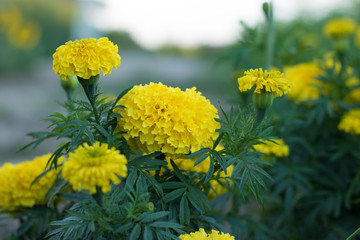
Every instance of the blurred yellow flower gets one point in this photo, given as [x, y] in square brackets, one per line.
[278, 149]
[166, 119]
[15, 183]
[354, 95]
[264, 81]
[339, 28]
[85, 58]
[202, 235]
[350, 122]
[94, 166]
[305, 86]
[20, 33]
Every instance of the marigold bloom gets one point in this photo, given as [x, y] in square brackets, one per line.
[272, 81]
[278, 149]
[166, 119]
[15, 183]
[339, 28]
[305, 86]
[350, 122]
[94, 166]
[85, 58]
[202, 235]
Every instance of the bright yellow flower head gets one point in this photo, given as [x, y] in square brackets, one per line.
[15, 183]
[350, 122]
[202, 235]
[85, 58]
[272, 81]
[339, 28]
[94, 166]
[305, 86]
[166, 119]
[278, 149]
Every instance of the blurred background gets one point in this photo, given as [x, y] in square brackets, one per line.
[185, 44]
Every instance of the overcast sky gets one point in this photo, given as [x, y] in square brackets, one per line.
[193, 22]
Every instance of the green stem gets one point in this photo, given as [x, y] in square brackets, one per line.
[270, 43]
[89, 86]
[98, 196]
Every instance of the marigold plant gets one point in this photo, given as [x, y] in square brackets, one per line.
[16, 188]
[202, 235]
[350, 122]
[303, 78]
[339, 28]
[85, 58]
[275, 147]
[94, 166]
[264, 81]
[161, 118]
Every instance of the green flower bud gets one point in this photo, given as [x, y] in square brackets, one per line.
[263, 100]
[265, 8]
[151, 206]
[69, 84]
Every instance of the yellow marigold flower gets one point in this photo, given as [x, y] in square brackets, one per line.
[166, 119]
[202, 235]
[15, 183]
[264, 81]
[353, 96]
[94, 166]
[85, 58]
[350, 122]
[339, 28]
[278, 149]
[305, 86]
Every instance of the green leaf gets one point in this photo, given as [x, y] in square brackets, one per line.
[198, 153]
[165, 224]
[172, 185]
[210, 172]
[201, 159]
[90, 135]
[184, 212]
[148, 234]
[75, 197]
[174, 195]
[104, 133]
[135, 233]
[357, 231]
[56, 191]
[178, 172]
[124, 228]
[154, 216]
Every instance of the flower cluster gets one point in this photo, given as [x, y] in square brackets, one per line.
[202, 235]
[94, 166]
[85, 58]
[161, 118]
[350, 122]
[264, 81]
[21, 33]
[305, 86]
[276, 148]
[16, 190]
[339, 28]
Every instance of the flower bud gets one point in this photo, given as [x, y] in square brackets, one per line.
[69, 84]
[151, 206]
